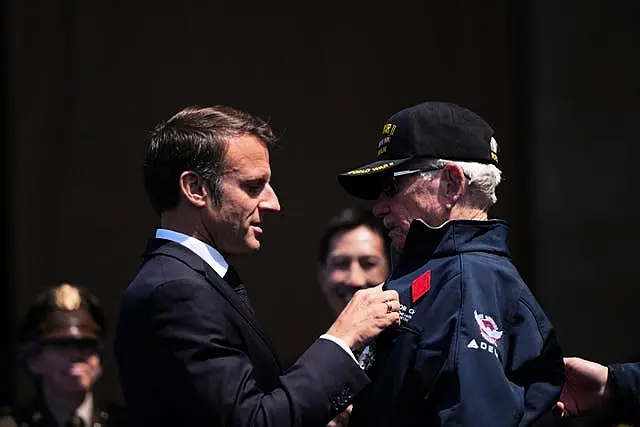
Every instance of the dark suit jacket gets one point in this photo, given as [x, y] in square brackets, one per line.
[624, 379]
[190, 352]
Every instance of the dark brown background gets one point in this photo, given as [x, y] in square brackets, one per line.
[85, 82]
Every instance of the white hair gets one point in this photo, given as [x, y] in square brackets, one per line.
[482, 180]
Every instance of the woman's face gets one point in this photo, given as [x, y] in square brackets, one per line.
[68, 366]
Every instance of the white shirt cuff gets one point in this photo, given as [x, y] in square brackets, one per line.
[342, 345]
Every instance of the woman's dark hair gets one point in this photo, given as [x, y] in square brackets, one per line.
[349, 219]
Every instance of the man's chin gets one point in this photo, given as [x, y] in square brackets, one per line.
[248, 247]
[253, 244]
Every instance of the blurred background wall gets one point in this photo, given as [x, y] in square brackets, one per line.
[584, 107]
[84, 82]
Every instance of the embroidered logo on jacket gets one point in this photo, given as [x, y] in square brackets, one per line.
[489, 331]
[488, 328]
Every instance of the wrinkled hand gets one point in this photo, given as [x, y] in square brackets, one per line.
[585, 387]
[365, 316]
[341, 420]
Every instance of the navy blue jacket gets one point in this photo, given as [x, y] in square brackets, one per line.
[190, 352]
[624, 379]
[474, 348]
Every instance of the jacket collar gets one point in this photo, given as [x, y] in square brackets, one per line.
[454, 237]
[207, 252]
[176, 250]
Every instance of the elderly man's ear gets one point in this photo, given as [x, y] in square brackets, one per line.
[453, 184]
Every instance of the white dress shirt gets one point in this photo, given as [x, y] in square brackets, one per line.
[85, 410]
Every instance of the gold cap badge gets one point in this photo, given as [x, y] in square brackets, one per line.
[67, 297]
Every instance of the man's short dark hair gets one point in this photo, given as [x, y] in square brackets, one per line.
[195, 139]
[349, 219]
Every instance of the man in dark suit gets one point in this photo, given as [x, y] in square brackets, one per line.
[188, 347]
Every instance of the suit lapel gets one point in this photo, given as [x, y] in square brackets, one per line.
[217, 282]
[185, 255]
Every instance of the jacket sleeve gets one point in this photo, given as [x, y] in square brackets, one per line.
[496, 374]
[624, 378]
[534, 361]
[192, 329]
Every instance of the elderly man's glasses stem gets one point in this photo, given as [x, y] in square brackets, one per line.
[392, 187]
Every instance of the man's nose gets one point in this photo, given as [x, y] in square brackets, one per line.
[270, 201]
[357, 276]
[380, 206]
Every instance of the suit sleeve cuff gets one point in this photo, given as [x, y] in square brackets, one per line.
[342, 345]
[624, 379]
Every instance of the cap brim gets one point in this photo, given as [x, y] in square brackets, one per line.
[71, 332]
[366, 182]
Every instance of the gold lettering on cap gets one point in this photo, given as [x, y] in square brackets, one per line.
[493, 146]
[370, 170]
[67, 297]
[388, 129]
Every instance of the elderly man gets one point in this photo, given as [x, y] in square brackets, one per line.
[474, 347]
[188, 345]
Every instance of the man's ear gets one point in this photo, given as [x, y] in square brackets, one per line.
[453, 183]
[193, 188]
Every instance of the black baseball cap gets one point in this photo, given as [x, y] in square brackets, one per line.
[437, 130]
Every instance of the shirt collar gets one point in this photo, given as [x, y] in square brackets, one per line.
[204, 251]
[85, 410]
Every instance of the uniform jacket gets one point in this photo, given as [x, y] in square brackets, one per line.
[474, 348]
[37, 414]
[190, 352]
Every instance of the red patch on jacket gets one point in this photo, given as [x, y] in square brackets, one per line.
[420, 286]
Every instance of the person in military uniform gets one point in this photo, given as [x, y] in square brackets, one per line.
[61, 338]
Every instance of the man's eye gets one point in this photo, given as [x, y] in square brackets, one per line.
[368, 262]
[367, 265]
[340, 264]
[254, 187]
